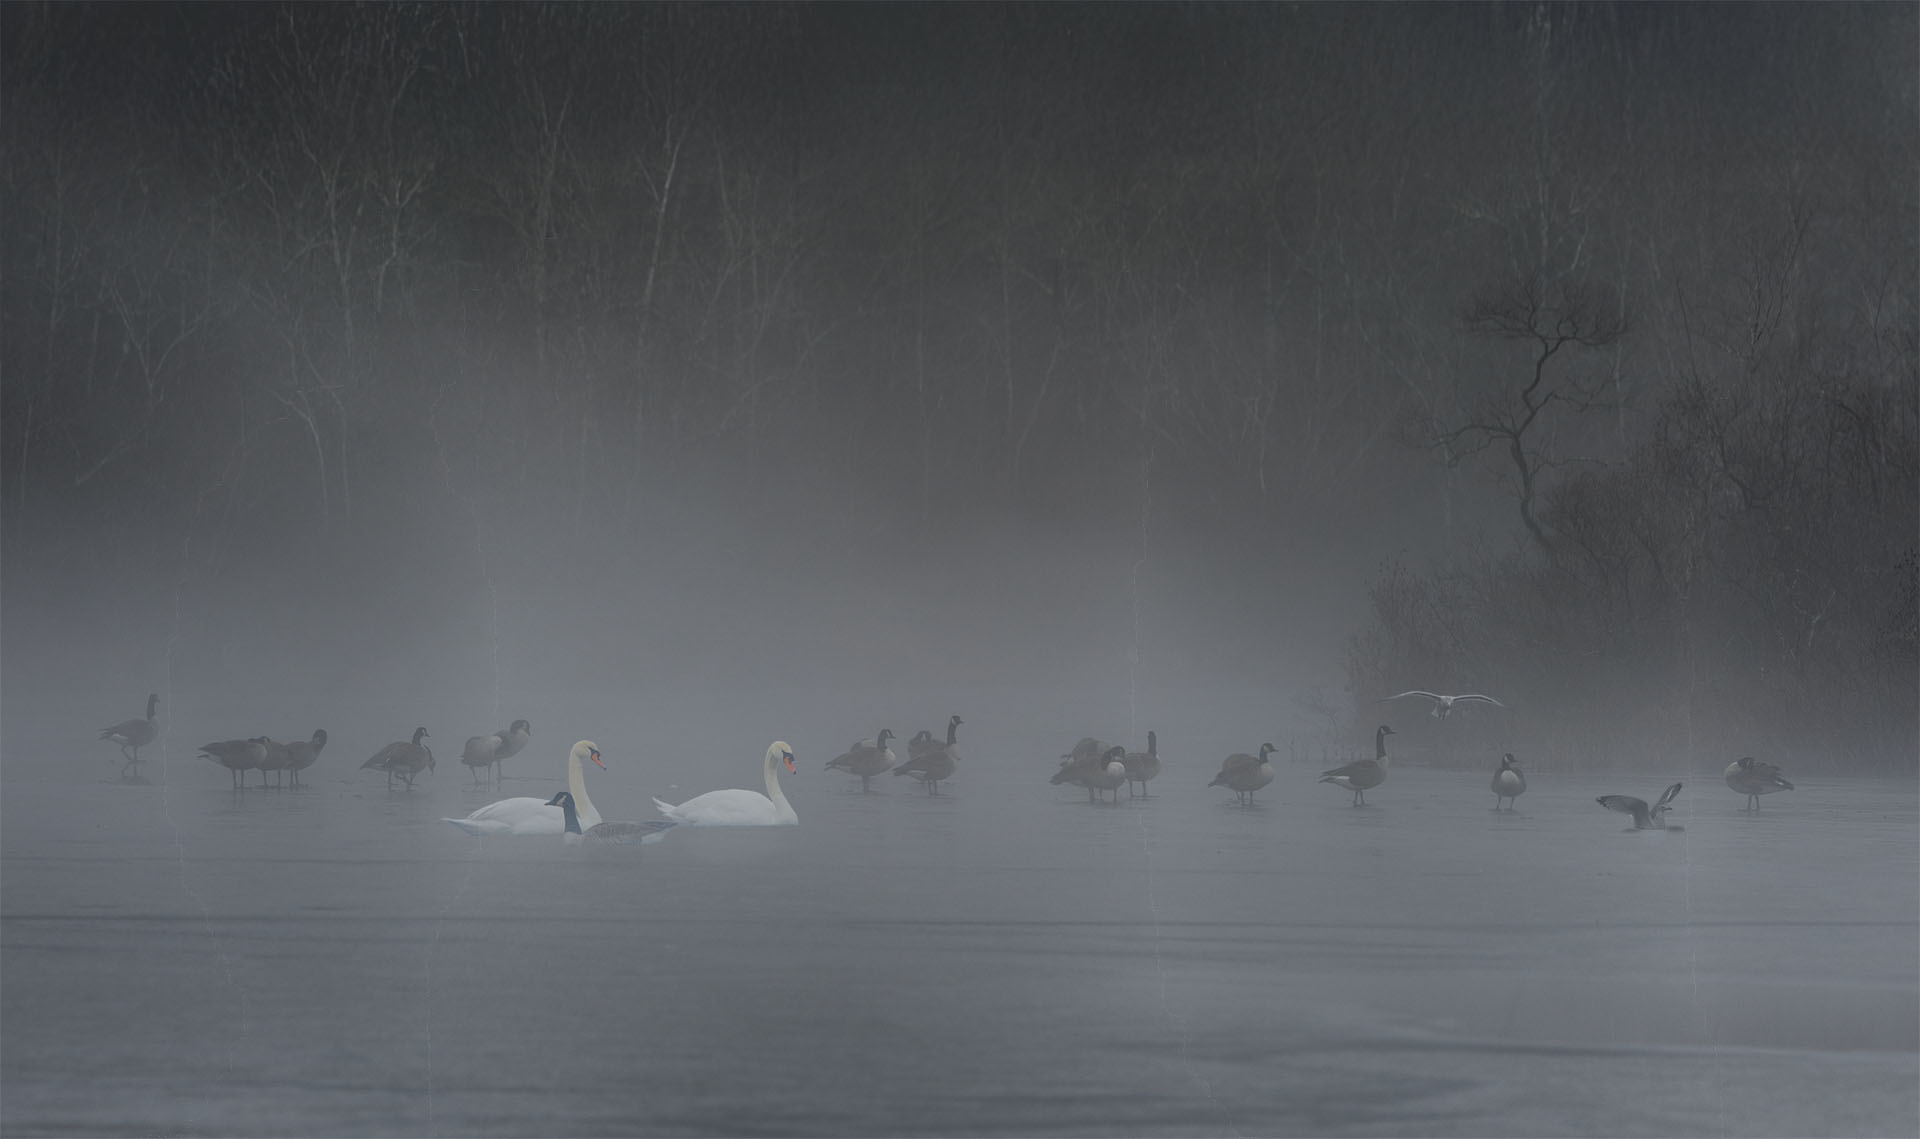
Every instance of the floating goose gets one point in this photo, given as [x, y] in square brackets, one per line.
[1753, 778]
[935, 762]
[1244, 774]
[486, 752]
[1143, 765]
[132, 735]
[1109, 773]
[1444, 704]
[621, 834]
[1509, 782]
[301, 754]
[1362, 775]
[741, 808]
[525, 814]
[405, 760]
[1644, 817]
[867, 758]
[238, 757]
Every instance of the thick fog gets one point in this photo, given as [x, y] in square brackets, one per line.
[686, 379]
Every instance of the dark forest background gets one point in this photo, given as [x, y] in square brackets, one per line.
[1565, 352]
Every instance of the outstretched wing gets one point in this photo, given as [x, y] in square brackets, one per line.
[1434, 696]
[1667, 795]
[1628, 805]
[1477, 696]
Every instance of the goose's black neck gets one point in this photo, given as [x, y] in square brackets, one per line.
[953, 731]
[1153, 745]
[565, 800]
[1380, 743]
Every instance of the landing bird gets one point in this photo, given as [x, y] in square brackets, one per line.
[1444, 704]
[1644, 817]
[1753, 778]
[1509, 782]
[619, 834]
[867, 758]
[1244, 774]
[132, 735]
[1362, 775]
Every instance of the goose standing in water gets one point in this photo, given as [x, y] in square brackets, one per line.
[866, 758]
[484, 753]
[277, 760]
[238, 757]
[1444, 704]
[525, 814]
[405, 760]
[1244, 774]
[934, 762]
[1079, 765]
[132, 735]
[741, 808]
[301, 754]
[1109, 773]
[1645, 818]
[1362, 775]
[621, 834]
[1509, 782]
[1143, 765]
[1754, 778]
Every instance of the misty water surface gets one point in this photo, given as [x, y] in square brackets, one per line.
[1003, 959]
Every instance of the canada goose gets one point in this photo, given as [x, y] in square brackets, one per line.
[484, 753]
[936, 762]
[1109, 773]
[302, 753]
[405, 760]
[1754, 778]
[237, 756]
[866, 758]
[1143, 765]
[1362, 775]
[277, 760]
[1078, 765]
[1244, 774]
[1509, 782]
[1444, 704]
[132, 735]
[618, 833]
[1644, 817]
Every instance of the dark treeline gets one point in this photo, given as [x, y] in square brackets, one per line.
[295, 293]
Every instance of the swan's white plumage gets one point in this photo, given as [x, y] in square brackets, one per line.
[737, 808]
[528, 815]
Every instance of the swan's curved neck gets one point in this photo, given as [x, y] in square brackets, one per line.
[773, 787]
[577, 783]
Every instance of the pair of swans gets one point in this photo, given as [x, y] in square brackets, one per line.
[527, 815]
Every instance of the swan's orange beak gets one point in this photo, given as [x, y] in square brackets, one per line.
[595, 753]
[788, 757]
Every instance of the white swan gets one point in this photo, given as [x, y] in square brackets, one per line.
[528, 815]
[739, 808]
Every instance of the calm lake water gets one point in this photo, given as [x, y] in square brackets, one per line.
[1004, 959]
